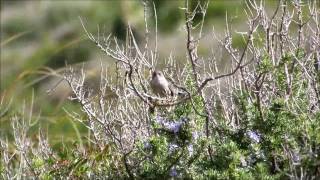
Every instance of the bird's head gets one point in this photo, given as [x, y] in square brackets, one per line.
[157, 73]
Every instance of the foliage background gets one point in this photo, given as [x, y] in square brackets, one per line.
[38, 39]
[48, 34]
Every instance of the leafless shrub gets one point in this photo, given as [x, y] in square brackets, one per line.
[125, 119]
[26, 159]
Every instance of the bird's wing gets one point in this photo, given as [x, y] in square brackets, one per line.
[171, 90]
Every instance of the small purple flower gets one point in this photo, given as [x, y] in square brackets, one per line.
[195, 135]
[172, 147]
[147, 145]
[184, 119]
[174, 127]
[173, 172]
[160, 120]
[296, 157]
[190, 149]
[254, 136]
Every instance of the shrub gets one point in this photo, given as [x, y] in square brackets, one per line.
[258, 120]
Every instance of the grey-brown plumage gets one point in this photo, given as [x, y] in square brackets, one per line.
[159, 85]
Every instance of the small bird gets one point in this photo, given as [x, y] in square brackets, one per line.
[159, 85]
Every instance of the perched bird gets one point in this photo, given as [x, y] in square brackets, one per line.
[159, 85]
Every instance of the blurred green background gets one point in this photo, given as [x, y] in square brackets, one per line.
[37, 36]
